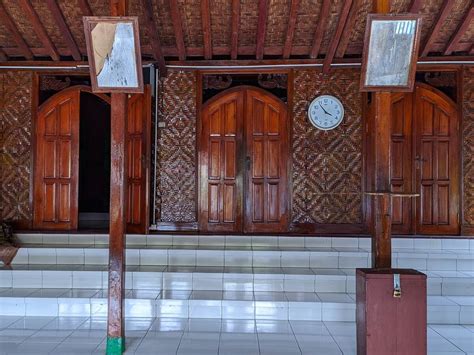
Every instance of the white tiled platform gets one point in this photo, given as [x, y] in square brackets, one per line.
[75, 335]
[227, 277]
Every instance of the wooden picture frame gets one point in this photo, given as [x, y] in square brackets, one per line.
[104, 61]
[391, 67]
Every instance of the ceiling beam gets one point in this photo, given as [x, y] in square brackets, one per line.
[206, 28]
[150, 28]
[320, 28]
[346, 34]
[234, 51]
[290, 32]
[435, 29]
[85, 8]
[415, 6]
[64, 28]
[460, 30]
[261, 27]
[337, 35]
[17, 37]
[178, 29]
[40, 31]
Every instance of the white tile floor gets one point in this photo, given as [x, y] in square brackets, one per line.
[74, 335]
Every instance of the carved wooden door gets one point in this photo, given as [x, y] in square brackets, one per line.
[436, 162]
[401, 162]
[243, 157]
[137, 141]
[266, 133]
[220, 164]
[57, 162]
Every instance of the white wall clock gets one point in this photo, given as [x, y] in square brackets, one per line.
[326, 112]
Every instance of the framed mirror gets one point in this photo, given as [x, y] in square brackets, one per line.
[113, 49]
[390, 52]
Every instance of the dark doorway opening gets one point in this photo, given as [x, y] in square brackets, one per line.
[94, 162]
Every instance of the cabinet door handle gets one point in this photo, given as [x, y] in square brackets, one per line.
[247, 163]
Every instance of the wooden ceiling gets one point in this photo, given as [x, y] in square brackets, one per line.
[184, 30]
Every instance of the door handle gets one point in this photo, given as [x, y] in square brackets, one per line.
[247, 163]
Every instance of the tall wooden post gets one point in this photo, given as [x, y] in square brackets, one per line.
[118, 119]
[381, 199]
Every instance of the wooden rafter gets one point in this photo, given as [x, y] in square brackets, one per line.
[460, 30]
[290, 32]
[346, 34]
[435, 29]
[152, 31]
[3, 56]
[64, 28]
[39, 28]
[235, 29]
[337, 35]
[178, 29]
[85, 8]
[17, 37]
[320, 28]
[206, 28]
[415, 6]
[261, 27]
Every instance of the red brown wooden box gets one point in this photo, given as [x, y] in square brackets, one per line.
[387, 324]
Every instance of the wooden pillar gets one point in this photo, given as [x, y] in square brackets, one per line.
[381, 199]
[118, 173]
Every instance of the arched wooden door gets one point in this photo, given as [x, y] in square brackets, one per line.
[425, 159]
[436, 162]
[243, 161]
[56, 173]
[57, 162]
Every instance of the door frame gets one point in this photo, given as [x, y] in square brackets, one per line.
[241, 153]
[35, 178]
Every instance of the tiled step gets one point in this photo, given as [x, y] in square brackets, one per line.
[446, 283]
[242, 256]
[417, 242]
[215, 304]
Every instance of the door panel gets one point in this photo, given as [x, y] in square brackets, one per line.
[436, 162]
[137, 142]
[57, 162]
[219, 163]
[266, 145]
[401, 158]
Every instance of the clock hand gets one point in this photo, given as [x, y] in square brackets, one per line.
[327, 113]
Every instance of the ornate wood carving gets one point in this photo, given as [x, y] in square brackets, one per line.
[218, 82]
[15, 146]
[437, 79]
[176, 149]
[55, 83]
[468, 144]
[327, 165]
[272, 81]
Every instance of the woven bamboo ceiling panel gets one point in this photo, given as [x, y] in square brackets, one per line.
[52, 29]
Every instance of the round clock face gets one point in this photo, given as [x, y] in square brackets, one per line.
[326, 112]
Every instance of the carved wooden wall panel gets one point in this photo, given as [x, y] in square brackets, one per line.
[15, 146]
[176, 199]
[327, 165]
[468, 146]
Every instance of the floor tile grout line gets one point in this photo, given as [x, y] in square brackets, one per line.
[333, 338]
[448, 340]
[294, 335]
